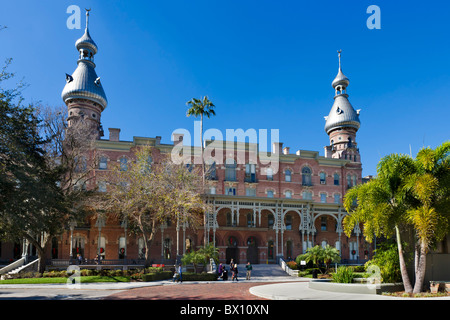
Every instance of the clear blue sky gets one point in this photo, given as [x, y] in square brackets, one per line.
[265, 64]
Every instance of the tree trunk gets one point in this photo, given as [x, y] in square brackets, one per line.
[403, 270]
[421, 268]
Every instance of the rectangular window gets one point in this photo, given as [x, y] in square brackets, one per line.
[337, 198]
[323, 177]
[323, 223]
[103, 165]
[336, 179]
[250, 192]
[288, 175]
[230, 191]
[250, 172]
[307, 195]
[269, 174]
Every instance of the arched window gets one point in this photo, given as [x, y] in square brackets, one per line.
[167, 248]
[103, 164]
[122, 247]
[336, 179]
[306, 176]
[123, 164]
[141, 248]
[270, 220]
[288, 175]
[288, 222]
[323, 178]
[288, 194]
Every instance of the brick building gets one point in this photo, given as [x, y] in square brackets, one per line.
[260, 213]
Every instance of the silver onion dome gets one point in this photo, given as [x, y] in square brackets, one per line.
[84, 82]
[342, 113]
[86, 42]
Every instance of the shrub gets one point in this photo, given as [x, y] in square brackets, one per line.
[292, 264]
[343, 274]
[386, 258]
[155, 276]
[190, 276]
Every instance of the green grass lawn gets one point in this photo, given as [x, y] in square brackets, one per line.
[86, 279]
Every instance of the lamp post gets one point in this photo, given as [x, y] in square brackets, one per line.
[72, 225]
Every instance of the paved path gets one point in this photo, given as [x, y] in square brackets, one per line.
[267, 282]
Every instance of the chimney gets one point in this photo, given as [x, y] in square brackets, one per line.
[286, 150]
[114, 134]
[277, 147]
[158, 140]
[177, 139]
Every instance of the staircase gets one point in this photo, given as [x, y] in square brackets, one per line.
[16, 267]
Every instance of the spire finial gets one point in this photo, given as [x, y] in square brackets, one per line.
[87, 17]
[339, 54]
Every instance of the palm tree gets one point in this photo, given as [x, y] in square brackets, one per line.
[330, 255]
[200, 108]
[430, 186]
[313, 254]
[381, 204]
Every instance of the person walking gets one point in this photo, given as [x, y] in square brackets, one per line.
[180, 272]
[235, 273]
[249, 268]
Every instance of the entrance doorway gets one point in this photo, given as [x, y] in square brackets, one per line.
[252, 250]
[232, 251]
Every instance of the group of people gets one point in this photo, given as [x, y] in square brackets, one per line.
[223, 273]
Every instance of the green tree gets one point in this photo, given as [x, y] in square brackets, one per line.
[313, 254]
[201, 256]
[381, 205]
[151, 191]
[330, 255]
[32, 204]
[407, 194]
[429, 213]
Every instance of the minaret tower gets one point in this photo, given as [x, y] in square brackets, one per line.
[342, 123]
[83, 93]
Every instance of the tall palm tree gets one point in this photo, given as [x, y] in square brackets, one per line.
[430, 186]
[381, 204]
[201, 108]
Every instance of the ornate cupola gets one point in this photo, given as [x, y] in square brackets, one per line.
[342, 122]
[83, 93]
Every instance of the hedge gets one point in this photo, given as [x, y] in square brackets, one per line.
[155, 276]
[191, 276]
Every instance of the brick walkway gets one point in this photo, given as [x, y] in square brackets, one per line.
[192, 291]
